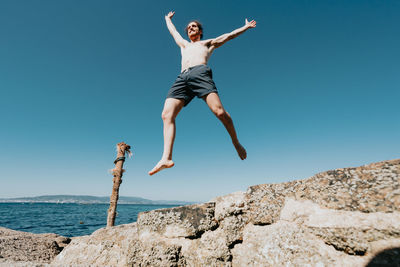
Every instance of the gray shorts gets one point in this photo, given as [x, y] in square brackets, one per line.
[194, 81]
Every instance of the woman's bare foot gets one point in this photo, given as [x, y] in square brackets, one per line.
[241, 151]
[162, 164]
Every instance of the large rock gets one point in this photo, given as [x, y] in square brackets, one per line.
[188, 221]
[369, 188]
[287, 244]
[105, 247]
[20, 248]
[344, 217]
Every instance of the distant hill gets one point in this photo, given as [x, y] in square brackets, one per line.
[90, 200]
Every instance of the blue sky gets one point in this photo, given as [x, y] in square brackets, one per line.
[315, 86]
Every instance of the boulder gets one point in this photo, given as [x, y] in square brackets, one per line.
[21, 248]
[343, 217]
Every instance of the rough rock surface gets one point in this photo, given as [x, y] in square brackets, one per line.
[187, 221]
[23, 249]
[344, 217]
[105, 247]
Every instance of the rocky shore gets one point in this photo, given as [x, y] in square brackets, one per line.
[343, 217]
[27, 249]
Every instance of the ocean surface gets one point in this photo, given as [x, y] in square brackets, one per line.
[66, 219]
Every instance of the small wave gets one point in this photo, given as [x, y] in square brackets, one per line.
[97, 225]
[27, 227]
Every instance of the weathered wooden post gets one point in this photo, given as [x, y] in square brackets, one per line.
[122, 148]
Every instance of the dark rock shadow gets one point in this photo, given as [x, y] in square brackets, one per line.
[387, 257]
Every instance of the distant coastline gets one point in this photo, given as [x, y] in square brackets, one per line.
[82, 199]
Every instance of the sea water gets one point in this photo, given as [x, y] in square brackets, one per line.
[67, 219]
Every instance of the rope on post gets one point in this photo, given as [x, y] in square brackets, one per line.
[118, 159]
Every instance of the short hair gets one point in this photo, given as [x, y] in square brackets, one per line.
[198, 25]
